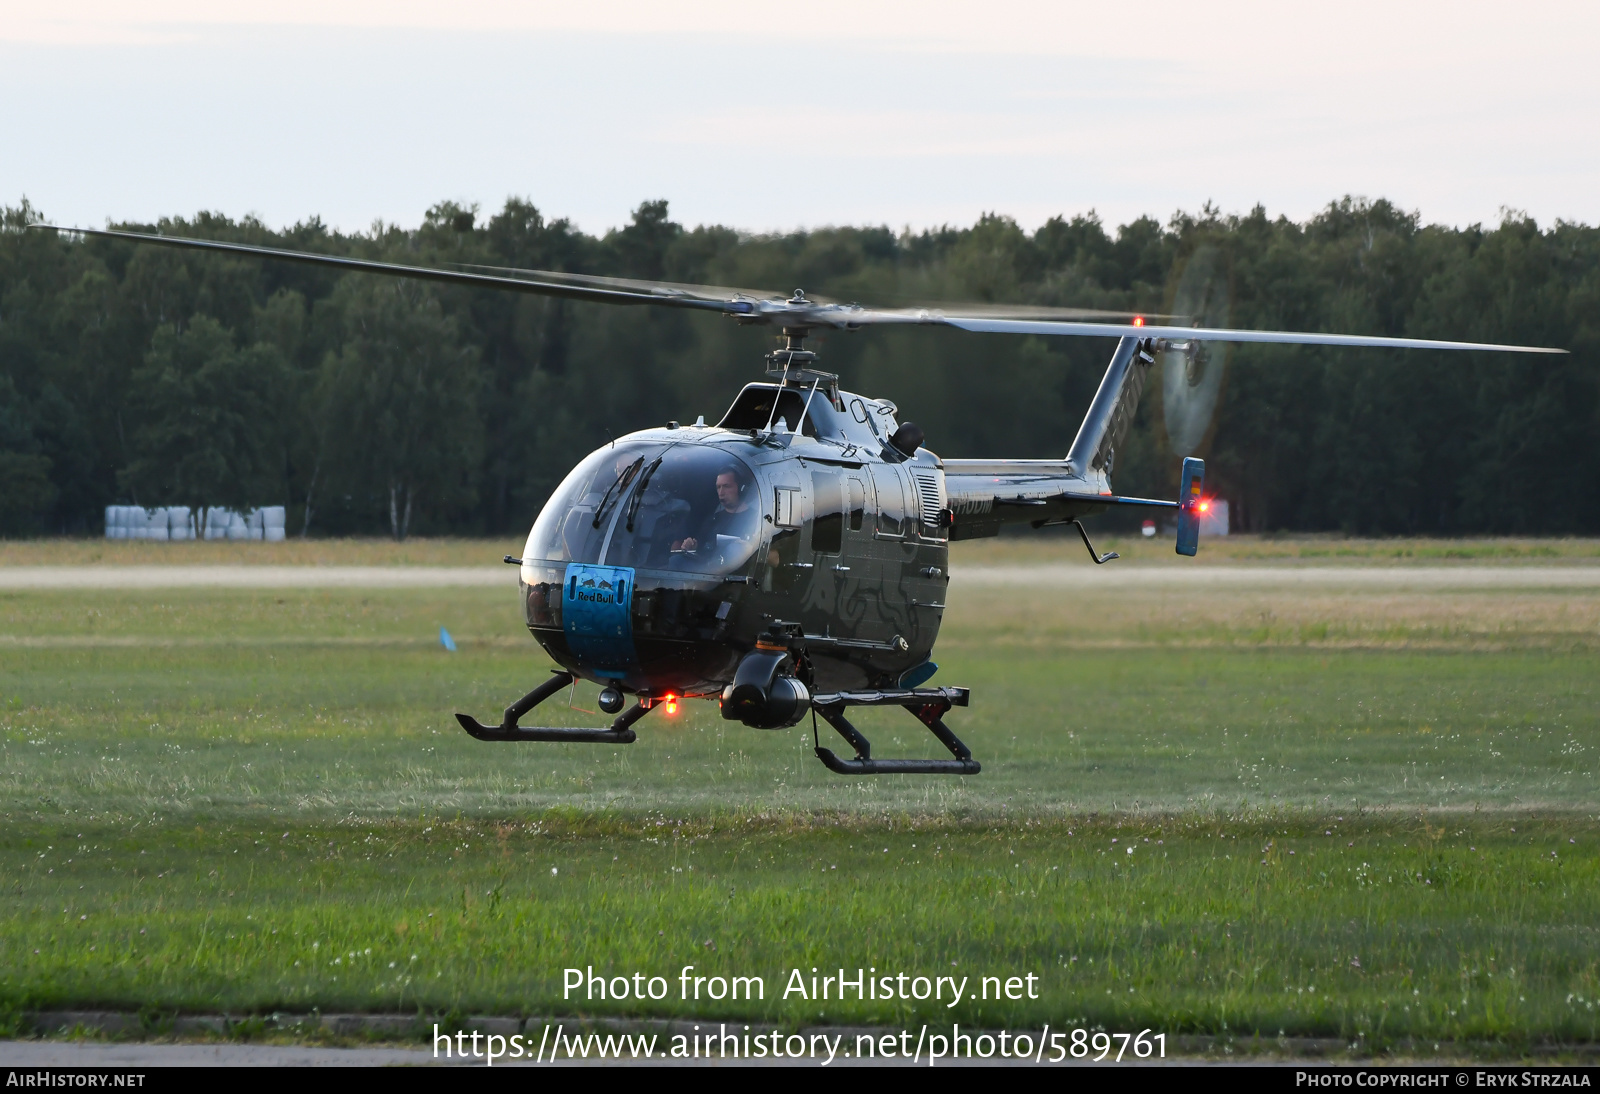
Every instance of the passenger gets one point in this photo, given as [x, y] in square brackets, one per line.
[734, 516]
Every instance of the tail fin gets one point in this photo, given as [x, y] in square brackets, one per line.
[1110, 415]
[1191, 504]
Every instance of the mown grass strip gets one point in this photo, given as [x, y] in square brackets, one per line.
[1310, 926]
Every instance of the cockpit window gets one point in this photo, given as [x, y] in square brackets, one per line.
[576, 520]
[666, 507]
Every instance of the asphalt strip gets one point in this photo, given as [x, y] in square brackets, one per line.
[144, 1054]
[137, 1054]
[254, 577]
[1084, 576]
[1178, 575]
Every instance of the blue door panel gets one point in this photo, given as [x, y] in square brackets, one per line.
[597, 616]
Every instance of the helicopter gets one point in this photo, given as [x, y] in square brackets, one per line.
[793, 556]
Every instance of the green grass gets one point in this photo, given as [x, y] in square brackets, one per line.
[321, 703]
[1384, 930]
[219, 766]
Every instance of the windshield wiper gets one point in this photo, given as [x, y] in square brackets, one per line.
[621, 480]
[638, 495]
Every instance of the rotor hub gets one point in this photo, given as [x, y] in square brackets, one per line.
[795, 365]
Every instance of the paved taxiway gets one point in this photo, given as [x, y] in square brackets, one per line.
[1065, 575]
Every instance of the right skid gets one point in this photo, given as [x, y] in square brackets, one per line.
[929, 705]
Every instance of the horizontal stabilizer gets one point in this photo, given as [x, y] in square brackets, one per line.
[1115, 499]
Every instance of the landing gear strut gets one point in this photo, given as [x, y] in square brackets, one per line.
[620, 733]
[929, 705]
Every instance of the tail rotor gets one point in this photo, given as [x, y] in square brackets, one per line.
[1193, 370]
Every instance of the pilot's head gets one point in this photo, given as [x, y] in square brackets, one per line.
[729, 489]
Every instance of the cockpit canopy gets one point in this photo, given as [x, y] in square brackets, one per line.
[649, 505]
[754, 409]
[813, 412]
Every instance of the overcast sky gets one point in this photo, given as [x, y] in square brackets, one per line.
[765, 116]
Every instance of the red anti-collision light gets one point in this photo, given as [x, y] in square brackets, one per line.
[672, 704]
[1138, 320]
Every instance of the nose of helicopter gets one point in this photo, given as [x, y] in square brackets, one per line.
[650, 632]
[635, 569]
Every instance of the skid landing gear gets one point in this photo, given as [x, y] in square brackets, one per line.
[620, 732]
[928, 705]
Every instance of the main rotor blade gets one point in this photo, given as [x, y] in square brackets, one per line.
[595, 294]
[1208, 334]
[857, 316]
[797, 312]
[661, 288]
[821, 310]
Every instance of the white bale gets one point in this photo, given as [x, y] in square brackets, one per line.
[111, 522]
[274, 516]
[1214, 521]
[238, 527]
[155, 523]
[217, 522]
[138, 522]
[275, 535]
[253, 521]
[179, 526]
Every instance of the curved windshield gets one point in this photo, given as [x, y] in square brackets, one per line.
[652, 506]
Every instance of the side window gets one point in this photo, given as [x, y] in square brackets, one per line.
[827, 522]
[891, 500]
[858, 503]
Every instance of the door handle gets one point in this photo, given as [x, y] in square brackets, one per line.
[841, 569]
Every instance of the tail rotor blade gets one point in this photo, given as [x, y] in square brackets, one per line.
[1192, 372]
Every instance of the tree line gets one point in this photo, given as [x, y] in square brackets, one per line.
[141, 375]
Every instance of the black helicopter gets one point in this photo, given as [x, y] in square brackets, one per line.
[793, 557]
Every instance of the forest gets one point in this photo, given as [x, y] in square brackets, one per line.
[132, 374]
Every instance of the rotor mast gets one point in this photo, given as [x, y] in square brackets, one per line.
[795, 366]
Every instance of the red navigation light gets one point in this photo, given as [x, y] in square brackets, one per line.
[1138, 320]
[672, 703]
[1205, 505]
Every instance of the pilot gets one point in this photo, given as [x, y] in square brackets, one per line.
[733, 516]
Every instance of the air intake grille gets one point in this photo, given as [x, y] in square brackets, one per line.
[929, 494]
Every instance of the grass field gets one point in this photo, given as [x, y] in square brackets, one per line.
[1368, 811]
